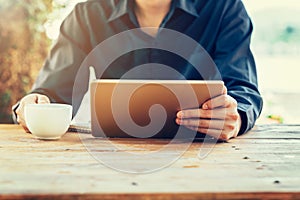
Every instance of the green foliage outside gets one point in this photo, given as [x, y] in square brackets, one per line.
[23, 48]
[277, 31]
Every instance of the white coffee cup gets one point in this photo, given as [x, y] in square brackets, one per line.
[48, 121]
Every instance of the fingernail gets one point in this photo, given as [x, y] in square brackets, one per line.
[42, 101]
[180, 114]
[205, 107]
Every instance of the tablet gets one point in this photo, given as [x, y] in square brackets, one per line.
[145, 108]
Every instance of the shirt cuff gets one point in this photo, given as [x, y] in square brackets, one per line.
[248, 119]
[14, 114]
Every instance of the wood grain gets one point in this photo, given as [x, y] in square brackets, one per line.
[261, 164]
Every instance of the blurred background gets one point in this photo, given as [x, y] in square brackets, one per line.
[29, 27]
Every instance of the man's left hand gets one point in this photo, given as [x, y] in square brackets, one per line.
[217, 117]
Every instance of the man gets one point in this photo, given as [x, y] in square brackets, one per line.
[223, 28]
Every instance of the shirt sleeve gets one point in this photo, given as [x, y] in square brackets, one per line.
[235, 61]
[56, 78]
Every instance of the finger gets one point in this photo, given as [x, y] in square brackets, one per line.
[216, 102]
[29, 99]
[21, 120]
[218, 134]
[42, 99]
[23, 124]
[26, 129]
[229, 130]
[202, 123]
[20, 114]
[190, 113]
[219, 113]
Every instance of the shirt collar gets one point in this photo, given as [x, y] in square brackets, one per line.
[123, 7]
[187, 6]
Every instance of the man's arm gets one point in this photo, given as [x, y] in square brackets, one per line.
[56, 79]
[236, 111]
[235, 61]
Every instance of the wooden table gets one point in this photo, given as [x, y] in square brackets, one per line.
[264, 163]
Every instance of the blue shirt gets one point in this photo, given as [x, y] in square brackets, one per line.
[222, 27]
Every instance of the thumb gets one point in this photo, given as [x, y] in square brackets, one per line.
[42, 99]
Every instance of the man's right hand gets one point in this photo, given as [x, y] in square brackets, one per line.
[29, 99]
